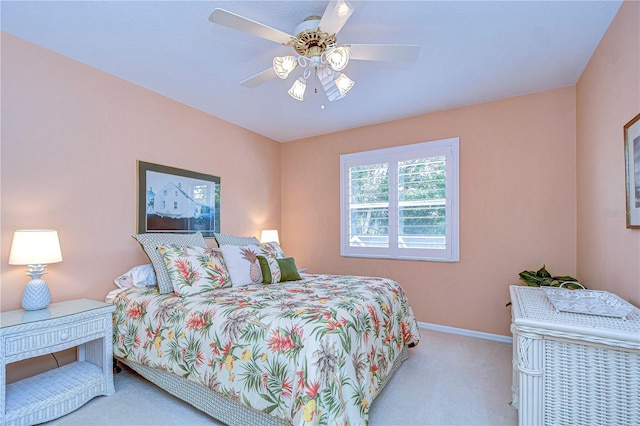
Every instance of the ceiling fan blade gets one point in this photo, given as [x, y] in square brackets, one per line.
[246, 25]
[258, 79]
[383, 52]
[335, 16]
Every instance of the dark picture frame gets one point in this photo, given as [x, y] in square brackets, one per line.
[173, 200]
[632, 171]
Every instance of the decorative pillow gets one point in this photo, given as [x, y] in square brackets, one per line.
[231, 240]
[151, 241]
[194, 269]
[270, 270]
[284, 271]
[242, 263]
[138, 276]
[272, 249]
[288, 269]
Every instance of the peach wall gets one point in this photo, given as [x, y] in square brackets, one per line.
[607, 97]
[71, 136]
[517, 204]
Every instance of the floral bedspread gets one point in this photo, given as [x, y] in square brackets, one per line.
[315, 351]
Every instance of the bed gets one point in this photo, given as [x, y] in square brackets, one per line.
[316, 351]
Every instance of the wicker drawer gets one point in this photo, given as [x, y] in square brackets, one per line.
[49, 338]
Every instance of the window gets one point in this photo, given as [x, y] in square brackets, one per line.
[401, 202]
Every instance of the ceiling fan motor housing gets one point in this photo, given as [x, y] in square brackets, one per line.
[310, 41]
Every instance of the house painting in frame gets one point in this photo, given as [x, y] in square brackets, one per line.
[177, 201]
[632, 169]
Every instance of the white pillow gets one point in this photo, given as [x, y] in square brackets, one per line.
[138, 276]
[242, 263]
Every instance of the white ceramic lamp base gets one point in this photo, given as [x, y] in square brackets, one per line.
[36, 295]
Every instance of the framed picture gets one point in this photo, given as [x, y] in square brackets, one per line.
[177, 201]
[632, 156]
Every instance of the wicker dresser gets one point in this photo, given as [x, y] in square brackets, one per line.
[83, 323]
[573, 369]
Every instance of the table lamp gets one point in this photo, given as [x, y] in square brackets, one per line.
[35, 248]
[269, 235]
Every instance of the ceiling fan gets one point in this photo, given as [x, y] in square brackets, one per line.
[317, 50]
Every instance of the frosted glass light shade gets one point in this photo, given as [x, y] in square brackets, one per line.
[35, 247]
[344, 83]
[298, 88]
[269, 235]
[283, 65]
[338, 57]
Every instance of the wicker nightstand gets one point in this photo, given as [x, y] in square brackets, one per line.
[82, 323]
[573, 369]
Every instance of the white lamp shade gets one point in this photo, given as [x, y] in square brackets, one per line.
[269, 235]
[35, 247]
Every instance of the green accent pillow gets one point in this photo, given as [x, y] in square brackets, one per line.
[288, 269]
[278, 270]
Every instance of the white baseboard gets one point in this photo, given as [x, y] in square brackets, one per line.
[464, 332]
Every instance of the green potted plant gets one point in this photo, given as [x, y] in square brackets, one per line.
[542, 277]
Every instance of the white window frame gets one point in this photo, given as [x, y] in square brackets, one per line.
[450, 148]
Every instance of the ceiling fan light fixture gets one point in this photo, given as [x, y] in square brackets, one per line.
[297, 89]
[338, 57]
[343, 83]
[315, 41]
[283, 65]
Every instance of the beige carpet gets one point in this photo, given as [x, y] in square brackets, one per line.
[447, 380]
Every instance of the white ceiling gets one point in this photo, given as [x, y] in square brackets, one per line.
[471, 52]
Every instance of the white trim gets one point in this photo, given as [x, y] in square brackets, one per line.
[464, 332]
[450, 149]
